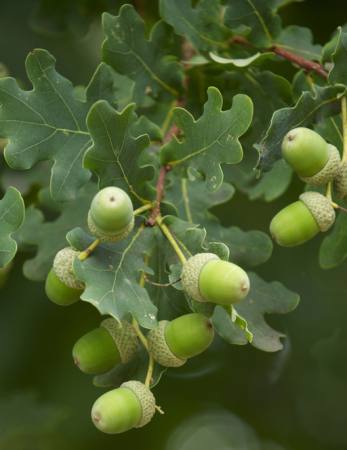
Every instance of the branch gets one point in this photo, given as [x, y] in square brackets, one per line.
[160, 194]
[307, 64]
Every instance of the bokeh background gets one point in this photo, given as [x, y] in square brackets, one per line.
[231, 398]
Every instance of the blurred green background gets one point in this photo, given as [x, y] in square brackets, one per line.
[231, 398]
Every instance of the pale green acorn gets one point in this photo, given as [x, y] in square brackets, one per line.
[99, 350]
[207, 278]
[132, 405]
[302, 220]
[62, 287]
[111, 214]
[172, 343]
[313, 159]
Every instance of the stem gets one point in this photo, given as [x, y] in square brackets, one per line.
[306, 64]
[328, 193]
[150, 370]
[344, 127]
[139, 333]
[89, 250]
[336, 206]
[143, 208]
[160, 194]
[167, 233]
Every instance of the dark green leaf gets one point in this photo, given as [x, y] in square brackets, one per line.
[146, 62]
[201, 25]
[338, 74]
[112, 275]
[299, 40]
[263, 298]
[333, 250]
[11, 218]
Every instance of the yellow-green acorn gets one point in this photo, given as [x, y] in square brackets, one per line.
[101, 349]
[111, 214]
[302, 220]
[132, 405]
[62, 287]
[312, 158]
[340, 182]
[207, 278]
[172, 343]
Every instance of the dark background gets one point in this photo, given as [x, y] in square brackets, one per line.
[231, 398]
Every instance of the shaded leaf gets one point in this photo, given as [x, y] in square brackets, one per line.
[146, 62]
[338, 73]
[257, 19]
[47, 237]
[211, 140]
[12, 213]
[333, 250]
[201, 25]
[299, 40]
[263, 298]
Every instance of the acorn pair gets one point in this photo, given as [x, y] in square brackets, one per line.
[317, 163]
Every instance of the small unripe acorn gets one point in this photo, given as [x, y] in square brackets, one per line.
[111, 214]
[62, 287]
[132, 405]
[206, 278]
[302, 220]
[101, 349]
[172, 343]
[312, 158]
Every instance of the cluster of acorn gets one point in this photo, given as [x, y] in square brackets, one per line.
[205, 278]
[317, 163]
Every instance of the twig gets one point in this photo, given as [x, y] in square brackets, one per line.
[160, 194]
[307, 64]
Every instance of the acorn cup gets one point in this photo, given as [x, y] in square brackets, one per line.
[103, 348]
[302, 220]
[111, 214]
[207, 278]
[132, 405]
[62, 287]
[172, 343]
[313, 159]
[340, 182]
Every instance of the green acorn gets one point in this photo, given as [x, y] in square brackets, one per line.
[340, 182]
[111, 214]
[101, 349]
[313, 159]
[62, 287]
[302, 220]
[207, 278]
[132, 405]
[172, 343]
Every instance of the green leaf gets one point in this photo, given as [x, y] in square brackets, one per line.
[112, 275]
[338, 73]
[333, 250]
[114, 155]
[331, 130]
[58, 133]
[136, 369]
[201, 25]
[305, 111]
[211, 140]
[146, 62]
[11, 218]
[47, 237]
[299, 40]
[193, 202]
[263, 298]
[269, 92]
[255, 18]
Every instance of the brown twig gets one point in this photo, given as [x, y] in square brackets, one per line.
[306, 64]
[160, 194]
[310, 66]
